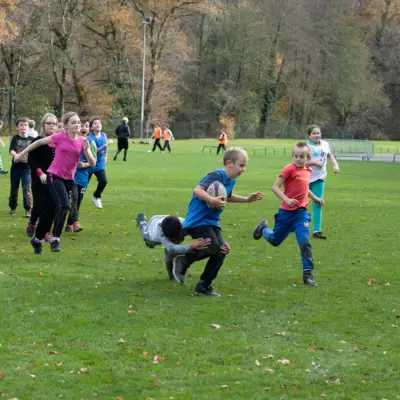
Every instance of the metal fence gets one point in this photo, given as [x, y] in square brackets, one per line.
[194, 129]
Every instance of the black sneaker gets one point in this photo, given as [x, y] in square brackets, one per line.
[179, 269]
[140, 218]
[13, 212]
[202, 289]
[318, 235]
[30, 229]
[55, 246]
[259, 228]
[308, 279]
[37, 246]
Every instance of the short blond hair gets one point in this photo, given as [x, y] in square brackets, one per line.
[302, 145]
[233, 154]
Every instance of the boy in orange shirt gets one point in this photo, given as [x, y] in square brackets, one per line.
[293, 215]
[157, 138]
[222, 141]
[168, 136]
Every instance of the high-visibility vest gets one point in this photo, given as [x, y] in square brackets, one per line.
[223, 139]
[157, 133]
[167, 135]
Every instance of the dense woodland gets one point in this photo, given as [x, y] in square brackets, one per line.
[252, 65]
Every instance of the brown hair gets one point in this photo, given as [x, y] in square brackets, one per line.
[92, 121]
[310, 128]
[23, 119]
[233, 154]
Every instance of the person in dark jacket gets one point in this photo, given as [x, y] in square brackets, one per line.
[123, 134]
[39, 161]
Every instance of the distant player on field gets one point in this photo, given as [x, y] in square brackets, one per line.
[320, 154]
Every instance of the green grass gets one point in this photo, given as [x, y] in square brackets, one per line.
[60, 333]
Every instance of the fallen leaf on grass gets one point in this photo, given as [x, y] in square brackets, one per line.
[145, 353]
[371, 281]
[121, 340]
[156, 360]
[119, 398]
[225, 387]
[2, 374]
[32, 375]
[53, 352]
[258, 363]
[215, 326]
[386, 284]
[269, 371]
[110, 333]
[83, 370]
[178, 364]
[284, 361]
[131, 311]
[268, 357]
[323, 395]
[60, 363]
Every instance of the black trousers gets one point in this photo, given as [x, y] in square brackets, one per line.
[221, 146]
[60, 190]
[212, 252]
[77, 193]
[167, 146]
[157, 144]
[101, 182]
[20, 174]
[43, 209]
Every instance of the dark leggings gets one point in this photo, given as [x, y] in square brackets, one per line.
[77, 194]
[102, 182]
[167, 146]
[60, 191]
[157, 144]
[221, 146]
[43, 209]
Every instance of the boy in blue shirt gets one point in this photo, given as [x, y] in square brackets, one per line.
[203, 222]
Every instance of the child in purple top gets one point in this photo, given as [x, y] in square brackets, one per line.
[60, 176]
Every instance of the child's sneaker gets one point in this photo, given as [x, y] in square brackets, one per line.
[3, 172]
[140, 218]
[259, 228]
[97, 202]
[308, 279]
[27, 214]
[318, 235]
[55, 245]
[77, 227]
[69, 228]
[37, 246]
[13, 212]
[202, 289]
[30, 229]
[179, 269]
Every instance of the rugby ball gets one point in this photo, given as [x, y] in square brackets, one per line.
[216, 189]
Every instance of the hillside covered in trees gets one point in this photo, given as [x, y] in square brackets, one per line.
[234, 62]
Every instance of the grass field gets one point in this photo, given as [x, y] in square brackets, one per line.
[102, 321]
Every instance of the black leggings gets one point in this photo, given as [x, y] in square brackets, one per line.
[167, 146]
[60, 191]
[157, 144]
[221, 146]
[77, 194]
[43, 209]
[102, 182]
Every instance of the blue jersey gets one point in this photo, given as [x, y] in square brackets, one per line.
[199, 214]
[100, 142]
[81, 176]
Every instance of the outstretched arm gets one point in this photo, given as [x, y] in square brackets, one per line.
[235, 198]
[32, 146]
